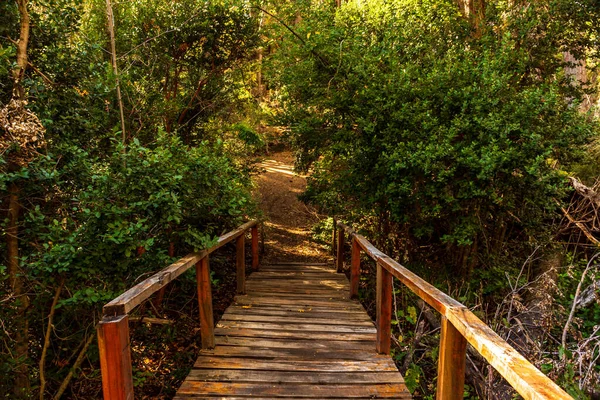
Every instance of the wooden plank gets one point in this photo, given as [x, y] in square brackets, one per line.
[289, 354]
[366, 345]
[254, 233]
[300, 295]
[292, 320]
[126, 302]
[295, 334]
[292, 276]
[303, 268]
[115, 358]
[295, 264]
[240, 263]
[293, 390]
[207, 323]
[315, 291]
[384, 310]
[287, 274]
[244, 376]
[251, 300]
[355, 316]
[196, 396]
[314, 366]
[354, 270]
[451, 363]
[294, 327]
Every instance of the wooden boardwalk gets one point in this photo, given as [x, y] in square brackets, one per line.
[294, 334]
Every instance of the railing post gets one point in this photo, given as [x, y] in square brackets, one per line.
[384, 309]
[354, 269]
[115, 358]
[333, 242]
[240, 262]
[255, 248]
[207, 323]
[340, 251]
[451, 363]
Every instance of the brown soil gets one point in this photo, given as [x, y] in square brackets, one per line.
[288, 221]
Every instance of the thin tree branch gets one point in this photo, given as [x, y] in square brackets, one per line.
[75, 366]
[323, 61]
[47, 338]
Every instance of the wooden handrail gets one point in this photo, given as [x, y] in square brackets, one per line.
[459, 326]
[113, 329]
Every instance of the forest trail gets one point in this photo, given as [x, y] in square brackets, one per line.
[287, 228]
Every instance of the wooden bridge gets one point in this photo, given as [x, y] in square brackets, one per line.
[295, 331]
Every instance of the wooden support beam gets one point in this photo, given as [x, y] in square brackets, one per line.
[255, 248]
[333, 242]
[207, 322]
[240, 262]
[451, 363]
[355, 269]
[384, 309]
[115, 358]
[340, 251]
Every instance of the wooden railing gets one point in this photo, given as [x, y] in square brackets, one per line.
[113, 330]
[459, 326]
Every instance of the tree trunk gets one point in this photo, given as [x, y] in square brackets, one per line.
[16, 279]
[21, 383]
[113, 52]
[19, 71]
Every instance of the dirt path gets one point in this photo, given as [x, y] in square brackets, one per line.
[288, 220]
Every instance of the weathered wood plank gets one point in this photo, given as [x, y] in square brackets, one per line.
[273, 309]
[295, 334]
[351, 328]
[196, 397]
[314, 366]
[293, 320]
[250, 300]
[317, 292]
[293, 376]
[300, 295]
[289, 354]
[366, 345]
[294, 390]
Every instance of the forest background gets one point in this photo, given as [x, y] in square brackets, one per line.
[462, 137]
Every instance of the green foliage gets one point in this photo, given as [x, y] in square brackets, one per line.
[446, 135]
[100, 214]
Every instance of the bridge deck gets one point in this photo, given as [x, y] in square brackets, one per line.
[295, 334]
